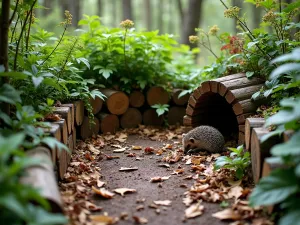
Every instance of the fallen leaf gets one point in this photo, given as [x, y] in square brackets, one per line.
[102, 220]
[136, 147]
[140, 220]
[168, 146]
[103, 192]
[116, 146]
[92, 207]
[227, 214]
[110, 157]
[131, 154]
[149, 150]
[122, 191]
[178, 171]
[164, 202]
[100, 183]
[128, 168]
[194, 210]
[235, 192]
[164, 165]
[119, 150]
[94, 150]
[187, 200]
[140, 207]
[122, 138]
[159, 179]
[159, 152]
[196, 160]
[138, 158]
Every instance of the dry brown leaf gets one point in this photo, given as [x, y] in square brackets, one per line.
[164, 202]
[140, 207]
[227, 214]
[168, 146]
[136, 147]
[194, 210]
[196, 160]
[198, 167]
[122, 138]
[159, 179]
[102, 220]
[131, 154]
[103, 192]
[100, 183]
[92, 207]
[199, 188]
[94, 150]
[164, 165]
[262, 221]
[128, 168]
[119, 150]
[139, 220]
[178, 171]
[116, 146]
[123, 191]
[159, 152]
[235, 192]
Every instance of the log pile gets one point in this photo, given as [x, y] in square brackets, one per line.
[224, 103]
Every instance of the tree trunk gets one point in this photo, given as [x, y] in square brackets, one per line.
[180, 11]
[74, 8]
[48, 5]
[239, 4]
[4, 23]
[148, 11]
[160, 22]
[127, 9]
[64, 6]
[191, 20]
[256, 12]
[99, 7]
[114, 6]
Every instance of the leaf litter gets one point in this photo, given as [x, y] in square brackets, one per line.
[82, 181]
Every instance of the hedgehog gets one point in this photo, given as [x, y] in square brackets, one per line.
[203, 138]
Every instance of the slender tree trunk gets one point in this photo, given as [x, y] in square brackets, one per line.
[74, 8]
[180, 11]
[171, 17]
[4, 23]
[127, 9]
[191, 20]
[115, 21]
[256, 19]
[48, 5]
[64, 6]
[160, 21]
[99, 7]
[148, 13]
[239, 4]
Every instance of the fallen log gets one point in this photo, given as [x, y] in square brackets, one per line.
[62, 163]
[157, 95]
[53, 131]
[71, 148]
[96, 104]
[150, 117]
[175, 115]
[131, 118]
[249, 125]
[42, 177]
[109, 123]
[65, 113]
[63, 130]
[260, 150]
[136, 99]
[79, 112]
[179, 101]
[117, 102]
[88, 129]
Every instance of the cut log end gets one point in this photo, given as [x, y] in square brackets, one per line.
[88, 130]
[131, 118]
[109, 123]
[150, 117]
[251, 123]
[117, 102]
[96, 104]
[175, 115]
[65, 113]
[136, 99]
[182, 100]
[157, 95]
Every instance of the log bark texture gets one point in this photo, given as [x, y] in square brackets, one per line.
[65, 113]
[42, 177]
[175, 115]
[179, 101]
[96, 104]
[150, 117]
[249, 125]
[63, 130]
[87, 130]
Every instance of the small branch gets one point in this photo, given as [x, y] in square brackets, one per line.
[209, 50]
[14, 29]
[55, 46]
[28, 33]
[14, 13]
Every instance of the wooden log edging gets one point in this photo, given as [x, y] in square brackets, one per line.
[234, 90]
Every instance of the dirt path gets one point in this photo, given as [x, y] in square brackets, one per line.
[95, 164]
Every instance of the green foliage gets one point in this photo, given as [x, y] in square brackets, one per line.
[238, 161]
[161, 108]
[282, 185]
[133, 59]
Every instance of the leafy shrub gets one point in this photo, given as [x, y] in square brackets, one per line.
[238, 161]
[282, 185]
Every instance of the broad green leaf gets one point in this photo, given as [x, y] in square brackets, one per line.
[54, 144]
[221, 161]
[9, 94]
[292, 147]
[37, 81]
[249, 74]
[12, 142]
[283, 69]
[14, 75]
[275, 188]
[10, 202]
[42, 217]
[290, 218]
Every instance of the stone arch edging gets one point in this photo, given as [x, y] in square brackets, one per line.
[235, 90]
